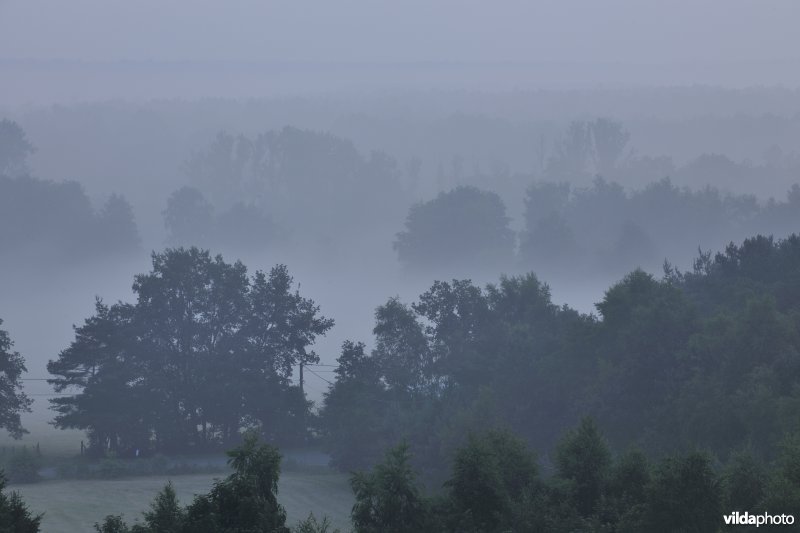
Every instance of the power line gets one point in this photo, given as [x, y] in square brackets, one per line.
[320, 377]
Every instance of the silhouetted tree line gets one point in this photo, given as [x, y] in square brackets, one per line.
[205, 352]
[708, 358]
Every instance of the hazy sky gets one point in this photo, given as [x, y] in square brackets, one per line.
[467, 44]
[402, 30]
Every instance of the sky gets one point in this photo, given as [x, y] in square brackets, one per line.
[506, 43]
[401, 31]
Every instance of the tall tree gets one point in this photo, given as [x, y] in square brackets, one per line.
[12, 400]
[204, 353]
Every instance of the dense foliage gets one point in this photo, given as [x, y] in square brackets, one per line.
[12, 400]
[494, 486]
[203, 353]
[708, 358]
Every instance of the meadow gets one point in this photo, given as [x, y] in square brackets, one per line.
[72, 506]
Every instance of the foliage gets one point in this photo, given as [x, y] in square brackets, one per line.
[388, 499]
[312, 525]
[244, 502]
[14, 401]
[15, 517]
[204, 353]
[466, 226]
[708, 358]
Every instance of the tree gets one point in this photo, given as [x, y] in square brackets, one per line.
[117, 226]
[113, 405]
[52, 223]
[244, 502]
[203, 354]
[165, 515]
[14, 401]
[15, 517]
[354, 420]
[684, 495]
[465, 226]
[584, 459]
[572, 153]
[189, 218]
[609, 140]
[401, 348]
[388, 499]
[493, 477]
[551, 245]
[283, 323]
[247, 499]
[14, 149]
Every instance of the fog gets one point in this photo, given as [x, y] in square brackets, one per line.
[627, 153]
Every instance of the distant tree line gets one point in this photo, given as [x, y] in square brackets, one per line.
[204, 353]
[605, 228]
[53, 221]
[48, 221]
[707, 358]
[599, 230]
[301, 177]
[191, 220]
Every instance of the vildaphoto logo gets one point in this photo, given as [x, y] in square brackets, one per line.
[765, 519]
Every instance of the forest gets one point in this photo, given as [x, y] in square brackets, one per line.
[404, 267]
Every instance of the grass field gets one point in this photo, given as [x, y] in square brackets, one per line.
[74, 506]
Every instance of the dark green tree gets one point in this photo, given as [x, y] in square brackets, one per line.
[246, 501]
[584, 460]
[684, 495]
[495, 477]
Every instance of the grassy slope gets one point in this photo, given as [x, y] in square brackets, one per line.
[73, 506]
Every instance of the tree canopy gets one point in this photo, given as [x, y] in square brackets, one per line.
[205, 352]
